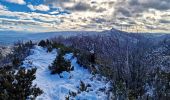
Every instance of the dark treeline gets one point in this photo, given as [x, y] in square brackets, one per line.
[15, 80]
[137, 66]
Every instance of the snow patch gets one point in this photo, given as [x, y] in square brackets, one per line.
[57, 87]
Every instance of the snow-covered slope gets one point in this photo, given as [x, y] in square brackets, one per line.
[57, 87]
[5, 50]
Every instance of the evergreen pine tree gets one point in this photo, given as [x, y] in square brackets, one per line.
[42, 43]
[17, 85]
[60, 65]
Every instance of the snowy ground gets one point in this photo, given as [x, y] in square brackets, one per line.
[5, 50]
[57, 88]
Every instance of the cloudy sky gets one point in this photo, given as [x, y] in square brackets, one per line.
[85, 15]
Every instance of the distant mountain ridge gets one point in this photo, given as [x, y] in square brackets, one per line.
[9, 37]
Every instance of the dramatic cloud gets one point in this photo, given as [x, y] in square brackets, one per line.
[86, 5]
[21, 2]
[96, 15]
[138, 6]
[40, 7]
[2, 7]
